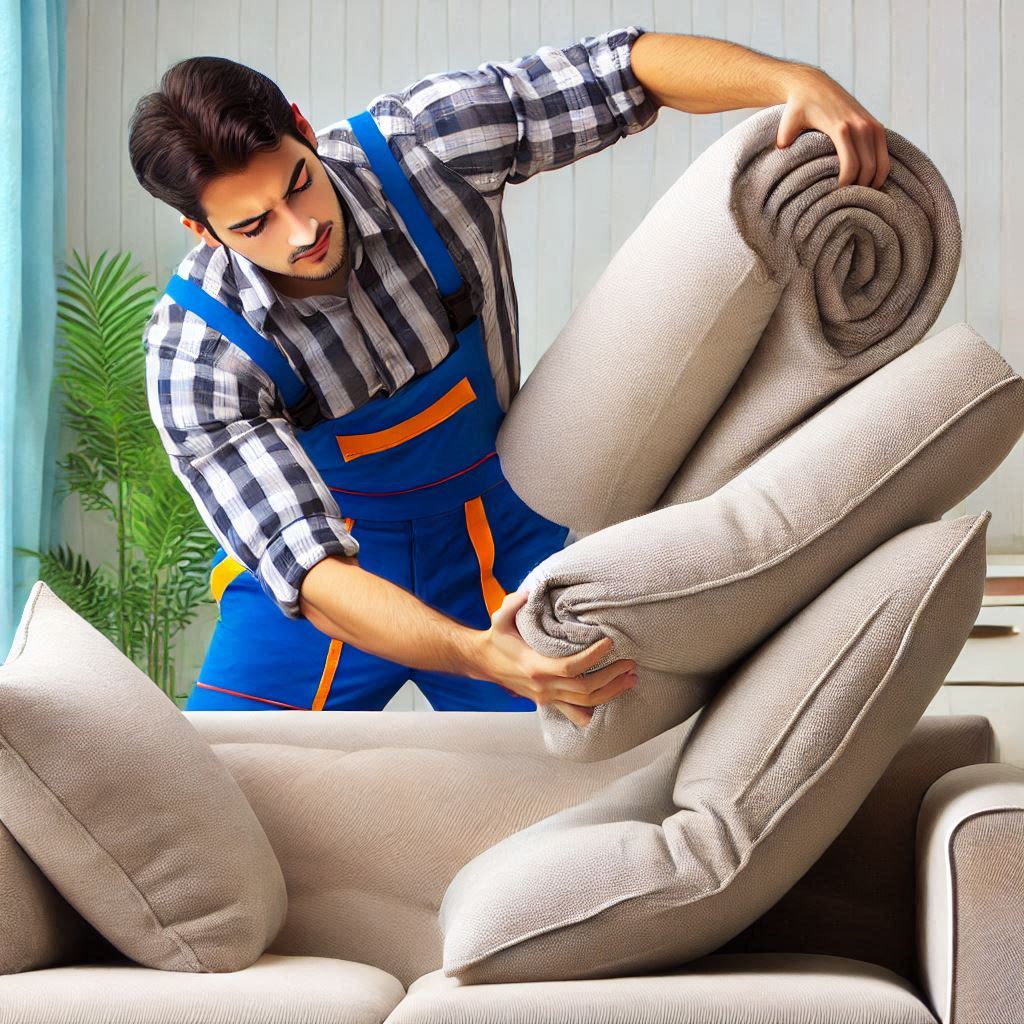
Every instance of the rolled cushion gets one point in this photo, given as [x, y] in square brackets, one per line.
[753, 290]
[688, 588]
[647, 874]
[124, 806]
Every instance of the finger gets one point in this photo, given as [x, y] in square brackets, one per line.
[574, 664]
[848, 165]
[576, 715]
[882, 162]
[513, 601]
[612, 688]
[863, 140]
[588, 682]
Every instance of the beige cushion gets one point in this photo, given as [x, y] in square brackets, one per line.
[767, 988]
[688, 588]
[752, 291]
[124, 805]
[646, 875]
[273, 990]
[38, 927]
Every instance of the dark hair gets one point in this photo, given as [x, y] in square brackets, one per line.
[208, 118]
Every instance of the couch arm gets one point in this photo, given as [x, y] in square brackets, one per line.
[970, 894]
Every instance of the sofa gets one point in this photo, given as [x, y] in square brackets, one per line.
[767, 827]
[914, 913]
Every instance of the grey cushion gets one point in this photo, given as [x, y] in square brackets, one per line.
[688, 588]
[38, 927]
[124, 805]
[768, 988]
[273, 990]
[752, 291]
[667, 863]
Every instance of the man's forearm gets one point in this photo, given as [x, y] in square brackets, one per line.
[703, 76]
[348, 603]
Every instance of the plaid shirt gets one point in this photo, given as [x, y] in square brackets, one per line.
[460, 136]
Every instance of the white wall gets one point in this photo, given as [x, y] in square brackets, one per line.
[940, 73]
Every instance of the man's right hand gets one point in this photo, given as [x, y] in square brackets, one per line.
[504, 657]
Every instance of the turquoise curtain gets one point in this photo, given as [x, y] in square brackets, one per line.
[32, 202]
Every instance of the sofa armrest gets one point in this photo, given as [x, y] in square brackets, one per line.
[970, 894]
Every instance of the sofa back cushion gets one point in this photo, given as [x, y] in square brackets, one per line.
[857, 899]
[367, 863]
[124, 806]
[38, 927]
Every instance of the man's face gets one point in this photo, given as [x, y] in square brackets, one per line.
[279, 207]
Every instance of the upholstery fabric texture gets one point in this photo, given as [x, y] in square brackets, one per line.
[38, 927]
[761, 433]
[669, 862]
[752, 291]
[124, 806]
[687, 589]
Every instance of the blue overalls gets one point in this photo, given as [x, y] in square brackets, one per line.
[418, 480]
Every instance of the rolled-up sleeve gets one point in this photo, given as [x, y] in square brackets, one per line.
[505, 122]
[252, 482]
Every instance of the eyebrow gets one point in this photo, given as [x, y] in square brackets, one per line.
[296, 171]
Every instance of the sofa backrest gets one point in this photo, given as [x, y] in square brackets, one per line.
[372, 814]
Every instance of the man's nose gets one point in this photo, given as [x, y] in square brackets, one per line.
[303, 231]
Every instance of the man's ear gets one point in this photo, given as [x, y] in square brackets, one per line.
[304, 126]
[199, 231]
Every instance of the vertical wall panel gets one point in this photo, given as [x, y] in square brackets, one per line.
[135, 203]
[327, 102]
[946, 128]
[294, 46]
[522, 205]
[592, 178]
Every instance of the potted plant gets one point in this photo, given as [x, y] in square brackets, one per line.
[120, 470]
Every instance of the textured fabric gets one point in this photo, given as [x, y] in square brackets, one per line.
[652, 873]
[721, 989]
[460, 136]
[988, 858]
[33, 196]
[687, 589]
[970, 849]
[752, 291]
[368, 839]
[124, 806]
[273, 990]
[350, 802]
[38, 927]
[857, 899]
[367, 863]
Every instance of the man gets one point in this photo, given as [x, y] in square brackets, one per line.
[330, 364]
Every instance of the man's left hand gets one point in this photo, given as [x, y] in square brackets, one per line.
[816, 101]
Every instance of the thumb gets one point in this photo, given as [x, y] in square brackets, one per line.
[506, 611]
[789, 128]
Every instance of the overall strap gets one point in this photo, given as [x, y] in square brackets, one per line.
[237, 329]
[454, 290]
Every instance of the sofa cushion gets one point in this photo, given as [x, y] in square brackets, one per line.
[38, 927]
[273, 990]
[688, 588]
[643, 876]
[124, 805]
[753, 290]
[857, 899]
[768, 988]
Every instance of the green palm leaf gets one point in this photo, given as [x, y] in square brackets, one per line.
[119, 470]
